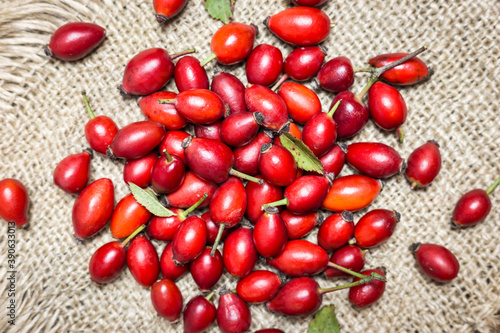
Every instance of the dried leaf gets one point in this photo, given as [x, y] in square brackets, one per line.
[149, 201]
[302, 154]
[221, 9]
[325, 321]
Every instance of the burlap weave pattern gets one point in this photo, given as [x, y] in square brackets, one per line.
[42, 120]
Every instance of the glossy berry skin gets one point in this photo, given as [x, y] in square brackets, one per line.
[353, 192]
[166, 9]
[374, 159]
[73, 41]
[300, 258]
[297, 297]
[472, 208]
[147, 72]
[436, 261]
[93, 208]
[164, 228]
[100, 132]
[168, 174]
[408, 73]
[200, 106]
[229, 203]
[264, 65]
[277, 165]
[143, 262]
[270, 234]
[336, 75]
[189, 240]
[258, 287]
[238, 129]
[306, 194]
[170, 269]
[302, 103]
[368, 293]
[233, 42]
[262, 99]
[188, 74]
[246, 158]
[239, 253]
[333, 160]
[298, 226]
[304, 63]
[207, 270]
[137, 139]
[128, 216]
[107, 263]
[14, 202]
[165, 114]
[336, 231]
[233, 315]
[167, 299]
[319, 133]
[351, 115]
[375, 227]
[257, 195]
[73, 172]
[387, 106]
[213, 229]
[211, 131]
[190, 191]
[198, 315]
[310, 3]
[302, 26]
[424, 164]
[139, 171]
[350, 257]
[231, 90]
[172, 142]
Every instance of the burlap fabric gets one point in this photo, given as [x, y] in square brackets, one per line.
[42, 120]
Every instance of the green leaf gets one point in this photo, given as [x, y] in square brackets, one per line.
[325, 321]
[149, 201]
[220, 9]
[302, 154]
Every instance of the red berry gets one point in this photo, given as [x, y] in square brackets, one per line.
[264, 65]
[191, 190]
[300, 258]
[277, 165]
[352, 193]
[262, 99]
[168, 173]
[368, 293]
[138, 171]
[239, 253]
[14, 202]
[374, 159]
[351, 115]
[297, 297]
[238, 129]
[107, 263]
[136, 140]
[350, 257]
[304, 63]
[320, 132]
[188, 74]
[199, 314]
[166, 9]
[167, 299]
[99, 131]
[336, 75]
[170, 269]
[246, 158]
[206, 270]
[258, 287]
[436, 261]
[270, 234]
[189, 240]
[410, 72]
[233, 315]
[232, 43]
[211, 131]
[302, 103]
[257, 195]
[375, 227]
[231, 90]
[143, 262]
[128, 216]
[213, 229]
[424, 165]
[165, 114]
[336, 231]
[298, 226]
[73, 172]
[473, 207]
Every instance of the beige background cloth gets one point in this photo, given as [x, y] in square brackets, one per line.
[42, 120]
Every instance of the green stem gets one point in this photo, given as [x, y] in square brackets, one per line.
[492, 187]
[138, 230]
[401, 135]
[207, 60]
[89, 110]
[345, 286]
[180, 54]
[166, 101]
[367, 87]
[280, 81]
[282, 202]
[217, 239]
[168, 157]
[209, 296]
[332, 111]
[184, 214]
[242, 175]
[363, 69]
[346, 270]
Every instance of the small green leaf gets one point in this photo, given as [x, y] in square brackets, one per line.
[149, 201]
[325, 321]
[220, 9]
[303, 155]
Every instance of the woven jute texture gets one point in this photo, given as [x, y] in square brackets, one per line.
[42, 118]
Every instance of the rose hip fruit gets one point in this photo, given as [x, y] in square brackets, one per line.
[353, 192]
[191, 190]
[304, 63]
[136, 140]
[199, 314]
[368, 293]
[336, 231]
[336, 75]
[333, 160]
[167, 299]
[143, 262]
[473, 207]
[170, 269]
[73, 172]
[240, 128]
[246, 158]
[270, 234]
[297, 297]
[128, 216]
[92, 209]
[168, 173]
[211, 131]
[375, 227]
[277, 165]
[206, 270]
[213, 229]
[300, 258]
[262, 99]
[165, 114]
[320, 132]
[302, 103]
[172, 142]
[302, 26]
[188, 74]
[410, 72]
[257, 195]
[239, 253]
[310, 3]
[436, 261]
[424, 164]
[189, 240]
[231, 90]
[258, 287]
[350, 257]
[374, 159]
[264, 65]
[166, 9]
[351, 115]
[233, 315]
[73, 41]
[14, 202]
[298, 226]
[138, 171]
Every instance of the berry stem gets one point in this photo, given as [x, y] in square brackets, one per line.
[217, 239]
[207, 60]
[180, 54]
[168, 157]
[184, 214]
[279, 82]
[166, 101]
[353, 273]
[348, 285]
[242, 175]
[334, 108]
[129, 238]
[401, 136]
[363, 69]
[492, 187]
[209, 296]
[282, 202]
[87, 105]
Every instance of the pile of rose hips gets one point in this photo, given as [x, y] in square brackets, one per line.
[239, 135]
